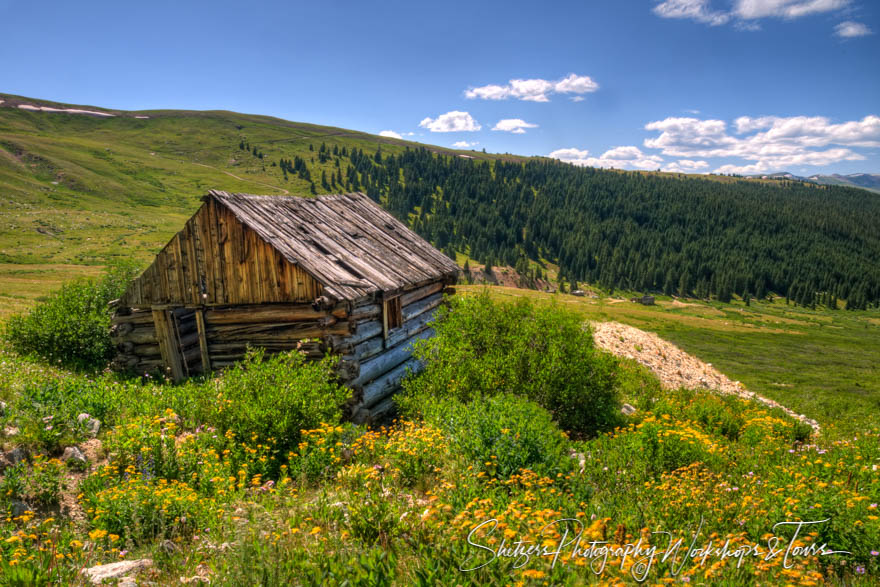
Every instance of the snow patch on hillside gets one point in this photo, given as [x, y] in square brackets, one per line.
[33, 108]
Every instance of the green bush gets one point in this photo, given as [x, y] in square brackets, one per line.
[47, 411]
[546, 354]
[501, 435]
[277, 397]
[72, 325]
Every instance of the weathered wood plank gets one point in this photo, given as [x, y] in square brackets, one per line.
[203, 342]
[167, 344]
[420, 307]
[419, 293]
[267, 313]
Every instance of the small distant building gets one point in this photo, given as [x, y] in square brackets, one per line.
[645, 300]
[327, 274]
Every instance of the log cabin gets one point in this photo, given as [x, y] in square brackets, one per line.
[332, 273]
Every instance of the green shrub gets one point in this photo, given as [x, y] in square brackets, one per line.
[275, 398]
[501, 435]
[47, 410]
[72, 325]
[546, 354]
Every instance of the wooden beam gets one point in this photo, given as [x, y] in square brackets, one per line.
[422, 292]
[203, 342]
[168, 344]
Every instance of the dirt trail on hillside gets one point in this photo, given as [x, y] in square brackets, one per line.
[674, 367]
[268, 185]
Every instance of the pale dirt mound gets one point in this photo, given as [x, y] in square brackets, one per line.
[674, 367]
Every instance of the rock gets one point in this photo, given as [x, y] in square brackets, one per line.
[627, 410]
[17, 455]
[579, 457]
[101, 573]
[74, 456]
[93, 425]
[18, 507]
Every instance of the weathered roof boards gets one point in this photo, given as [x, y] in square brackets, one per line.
[272, 271]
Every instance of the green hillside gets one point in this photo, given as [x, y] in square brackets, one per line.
[95, 186]
[81, 189]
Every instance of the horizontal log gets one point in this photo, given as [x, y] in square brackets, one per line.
[306, 347]
[347, 370]
[382, 387]
[146, 350]
[377, 413]
[383, 410]
[420, 307]
[409, 328]
[389, 359]
[119, 330]
[366, 312]
[228, 358]
[367, 348]
[422, 292]
[268, 314]
[124, 361]
[138, 336]
[142, 317]
[363, 331]
[281, 331]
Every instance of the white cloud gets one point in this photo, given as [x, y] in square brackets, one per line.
[850, 29]
[746, 13]
[687, 166]
[454, 121]
[535, 90]
[577, 98]
[490, 92]
[464, 144]
[516, 126]
[390, 134]
[698, 10]
[618, 158]
[772, 142]
[755, 9]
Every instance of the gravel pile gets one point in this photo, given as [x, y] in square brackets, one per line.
[674, 367]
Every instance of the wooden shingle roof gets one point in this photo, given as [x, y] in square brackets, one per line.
[346, 242]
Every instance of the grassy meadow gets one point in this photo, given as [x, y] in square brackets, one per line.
[254, 478]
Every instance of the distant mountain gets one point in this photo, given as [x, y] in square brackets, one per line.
[867, 181]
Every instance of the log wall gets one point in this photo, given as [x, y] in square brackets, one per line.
[186, 341]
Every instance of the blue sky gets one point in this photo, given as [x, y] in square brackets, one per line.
[743, 86]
